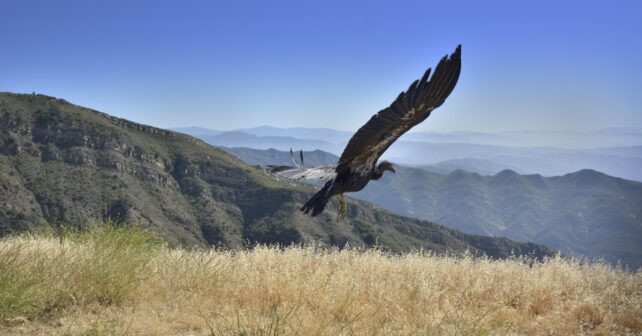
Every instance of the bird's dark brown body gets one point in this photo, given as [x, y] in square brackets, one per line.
[353, 182]
[342, 183]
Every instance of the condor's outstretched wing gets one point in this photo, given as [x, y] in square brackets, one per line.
[323, 173]
[409, 109]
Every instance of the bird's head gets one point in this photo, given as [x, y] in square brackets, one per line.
[385, 165]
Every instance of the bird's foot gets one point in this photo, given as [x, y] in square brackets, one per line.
[342, 207]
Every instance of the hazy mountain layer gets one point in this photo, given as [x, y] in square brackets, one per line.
[607, 137]
[61, 164]
[417, 149]
[584, 213]
[242, 139]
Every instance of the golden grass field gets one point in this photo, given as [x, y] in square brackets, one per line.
[121, 281]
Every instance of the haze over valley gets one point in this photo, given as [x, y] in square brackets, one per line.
[484, 153]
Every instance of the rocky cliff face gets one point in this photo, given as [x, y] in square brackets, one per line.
[61, 164]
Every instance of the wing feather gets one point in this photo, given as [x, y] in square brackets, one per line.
[409, 109]
[323, 173]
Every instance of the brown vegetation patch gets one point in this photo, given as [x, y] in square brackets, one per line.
[119, 282]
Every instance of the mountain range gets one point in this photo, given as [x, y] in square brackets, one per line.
[413, 150]
[607, 137]
[584, 213]
[66, 165]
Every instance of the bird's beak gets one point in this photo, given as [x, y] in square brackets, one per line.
[392, 169]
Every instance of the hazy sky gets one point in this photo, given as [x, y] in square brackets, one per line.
[526, 65]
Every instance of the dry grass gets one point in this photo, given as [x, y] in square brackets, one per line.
[118, 281]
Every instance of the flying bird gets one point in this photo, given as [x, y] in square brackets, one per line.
[358, 164]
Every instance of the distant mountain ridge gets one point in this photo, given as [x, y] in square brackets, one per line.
[480, 166]
[62, 164]
[242, 139]
[584, 213]
[323, 134]
[601, 138]
[620, 161]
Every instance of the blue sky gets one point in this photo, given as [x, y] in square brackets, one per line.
[551, 65]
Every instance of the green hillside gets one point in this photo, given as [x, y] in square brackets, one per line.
[585, 213]
[62, 164]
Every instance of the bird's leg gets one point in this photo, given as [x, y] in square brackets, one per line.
[342, 206]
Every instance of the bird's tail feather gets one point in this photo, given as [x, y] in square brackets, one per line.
[317, 203]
